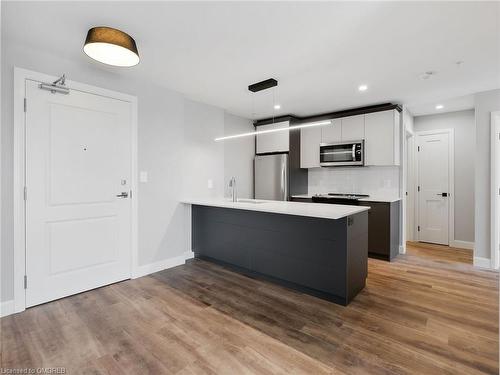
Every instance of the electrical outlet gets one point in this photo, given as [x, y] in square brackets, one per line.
[143, 176]
[210, 183]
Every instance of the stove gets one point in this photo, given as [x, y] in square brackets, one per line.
[339, 198]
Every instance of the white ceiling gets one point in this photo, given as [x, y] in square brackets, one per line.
[320, 52]
[449, 105]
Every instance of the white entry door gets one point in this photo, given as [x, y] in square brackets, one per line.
[433, 191]
[78, 162]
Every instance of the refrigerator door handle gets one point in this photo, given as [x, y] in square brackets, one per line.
[284, 185]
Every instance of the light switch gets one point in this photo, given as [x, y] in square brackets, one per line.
[210, 184]
[143, 176]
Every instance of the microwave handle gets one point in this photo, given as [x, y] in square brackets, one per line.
[354, 152]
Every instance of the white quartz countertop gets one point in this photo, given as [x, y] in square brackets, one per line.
[320, 210]
[371, 198]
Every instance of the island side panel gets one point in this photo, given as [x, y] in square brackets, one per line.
[357, 253]
[309, 254]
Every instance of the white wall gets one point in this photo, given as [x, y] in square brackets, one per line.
[239, 155]
[408, 176]
[175, 147]
[463, 124]
[376, 181]
[485, 103]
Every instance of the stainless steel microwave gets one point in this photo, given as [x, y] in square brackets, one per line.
[341, 154]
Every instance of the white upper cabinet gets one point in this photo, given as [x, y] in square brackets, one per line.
[310, 138]
[382, 138]
[332, 133]
[380, 130]
[273, 142]
[353, 128]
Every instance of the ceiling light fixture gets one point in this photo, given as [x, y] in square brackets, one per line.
[111, 46]
[427, 75]
[439, 106]
[363, 88]
[308, 125]
[277, 106]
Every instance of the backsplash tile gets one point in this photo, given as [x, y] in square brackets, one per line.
[364, 180]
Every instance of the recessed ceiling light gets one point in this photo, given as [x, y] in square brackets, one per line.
[439, 106]
[277, 106]
[427, 75]
[111, 46]
[363, 88]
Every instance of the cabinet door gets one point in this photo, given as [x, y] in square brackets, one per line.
[310, 138]
[332, 133]
[273, 142]
[353, 128]
[380, 138]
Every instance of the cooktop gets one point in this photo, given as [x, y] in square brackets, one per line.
[342, 196]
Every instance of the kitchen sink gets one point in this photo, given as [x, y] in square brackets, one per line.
[250, 201]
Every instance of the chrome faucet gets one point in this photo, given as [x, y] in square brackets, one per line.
[232, 185]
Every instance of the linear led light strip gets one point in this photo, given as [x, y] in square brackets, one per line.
[308, 125]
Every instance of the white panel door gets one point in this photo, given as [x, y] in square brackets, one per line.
[434, 184]
[353, 128]
[78, 160]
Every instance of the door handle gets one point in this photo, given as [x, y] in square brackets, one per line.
[442, 194]
[123, 194]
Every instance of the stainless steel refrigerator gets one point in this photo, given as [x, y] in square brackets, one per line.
[271, 179]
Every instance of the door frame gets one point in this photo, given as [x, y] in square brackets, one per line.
[20, 77]
[451, 181]
[495, 197]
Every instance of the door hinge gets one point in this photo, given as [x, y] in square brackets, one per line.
[418, 228]
[25, 104]
[418, 188]
[418, 148]
[25, 193]
[25, 282]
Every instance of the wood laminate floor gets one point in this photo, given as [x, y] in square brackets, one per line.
[428, 312]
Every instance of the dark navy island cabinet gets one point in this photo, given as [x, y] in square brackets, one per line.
[323, 257]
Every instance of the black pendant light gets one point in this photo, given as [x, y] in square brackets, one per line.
[111, 46]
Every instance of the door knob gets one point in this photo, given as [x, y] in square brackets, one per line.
[123, 194]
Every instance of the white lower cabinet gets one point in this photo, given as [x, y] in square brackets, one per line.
[310, 138]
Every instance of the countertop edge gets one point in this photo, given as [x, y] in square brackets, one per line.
[369, 199]
[283, 211]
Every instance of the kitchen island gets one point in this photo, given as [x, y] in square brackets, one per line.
[319, 249]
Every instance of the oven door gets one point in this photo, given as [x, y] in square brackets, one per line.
[341, 154]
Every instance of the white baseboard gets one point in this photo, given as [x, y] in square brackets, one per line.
[6, 308]
[482, 262]
[462, 244]
[159, 266]
[189, 255]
